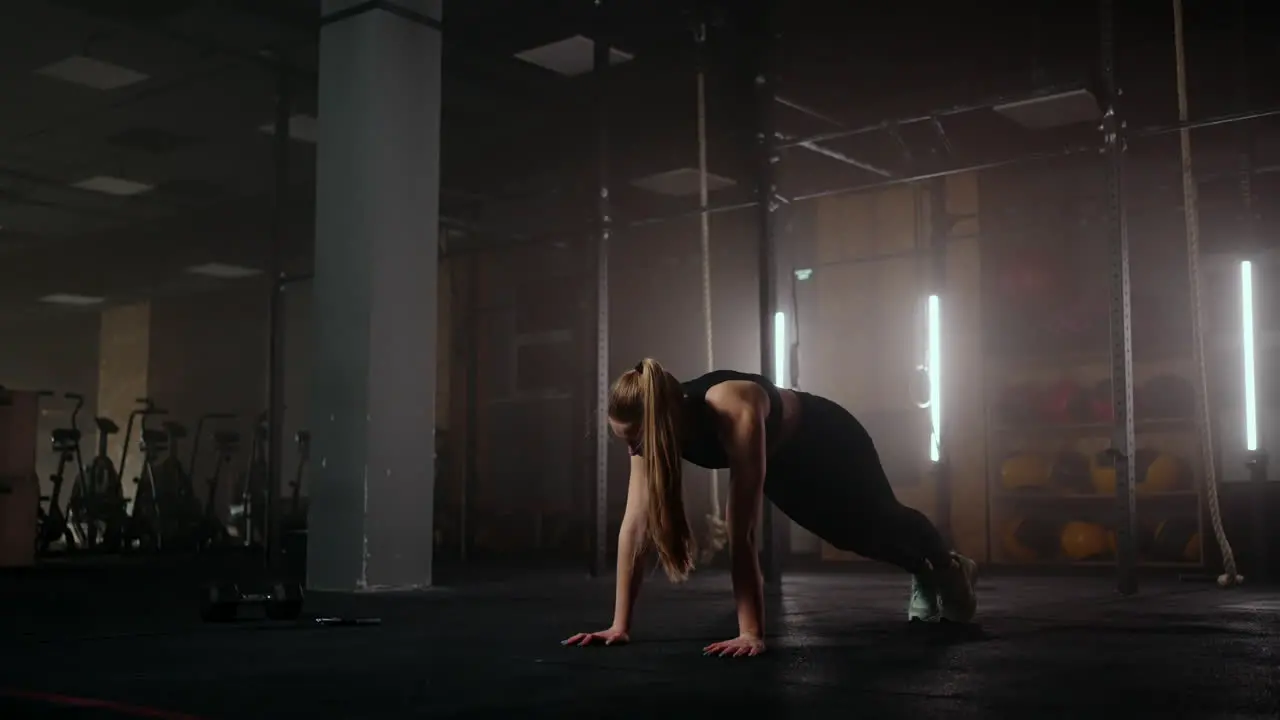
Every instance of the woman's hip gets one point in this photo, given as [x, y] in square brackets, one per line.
[831, 459]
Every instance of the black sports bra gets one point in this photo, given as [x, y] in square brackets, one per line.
[702, 445]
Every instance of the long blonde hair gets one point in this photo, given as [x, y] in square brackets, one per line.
[651, 398]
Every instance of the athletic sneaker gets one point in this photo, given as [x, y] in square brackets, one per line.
[924, 600]
[956, 589]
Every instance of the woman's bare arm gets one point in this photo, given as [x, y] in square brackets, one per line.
[742, 407]
[632, 548]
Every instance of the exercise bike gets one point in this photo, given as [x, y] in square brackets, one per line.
[144, 528]
[212, 531]
[295, 519]
[54, 523]
[249, 514]
[101, 510]
[180, 513]
[293, 522]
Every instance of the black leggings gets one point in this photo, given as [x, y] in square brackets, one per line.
[828, 479]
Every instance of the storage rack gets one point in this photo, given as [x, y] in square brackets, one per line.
[1045, 510]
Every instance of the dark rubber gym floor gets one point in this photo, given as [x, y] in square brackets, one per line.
[124, 641]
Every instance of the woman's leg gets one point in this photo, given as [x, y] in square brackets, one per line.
[899, 535]
[831, 481]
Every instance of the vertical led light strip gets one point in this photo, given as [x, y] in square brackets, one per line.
[780, 349]
[1247, 349]
[934, 362]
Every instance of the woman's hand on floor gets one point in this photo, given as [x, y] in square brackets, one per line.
[612, 636]
[741, 646]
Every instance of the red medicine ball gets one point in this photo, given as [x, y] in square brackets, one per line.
[1063, 403]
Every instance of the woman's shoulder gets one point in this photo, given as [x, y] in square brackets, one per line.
[698, 387]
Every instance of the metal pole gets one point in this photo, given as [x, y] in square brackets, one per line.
[472, 409]
[600, 68]
[704, 218]
[1121, 321]
[939, 234]
[766, 188]
[275, 327]
[1257, 462]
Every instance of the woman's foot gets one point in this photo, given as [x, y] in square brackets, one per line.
[957, 598]
[923, 606]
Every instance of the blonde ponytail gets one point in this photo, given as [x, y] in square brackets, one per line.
[668, 527]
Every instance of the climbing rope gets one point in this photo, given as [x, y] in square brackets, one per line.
[717, 530]
[1191, 211]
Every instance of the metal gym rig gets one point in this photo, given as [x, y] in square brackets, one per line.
[1115, 136]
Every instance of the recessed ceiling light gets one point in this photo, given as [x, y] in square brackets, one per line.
[681, 182]
[92, 73]
[222, 271]
[571, 56]
[113, 186]
[71, 299]
[303, 128]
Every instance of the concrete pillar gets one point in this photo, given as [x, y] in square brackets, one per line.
[124, 369]
[374, 296]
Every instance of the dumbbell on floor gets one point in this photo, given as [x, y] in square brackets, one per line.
[222, 603]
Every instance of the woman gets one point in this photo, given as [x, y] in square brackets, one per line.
[808, 455]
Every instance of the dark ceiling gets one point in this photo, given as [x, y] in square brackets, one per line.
[518, 148]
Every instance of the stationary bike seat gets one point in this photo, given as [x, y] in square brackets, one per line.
[154, 439]
[106, 426]
[67, 436]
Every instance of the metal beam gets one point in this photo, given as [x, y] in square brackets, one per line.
[927, 117]
[933, 116]
[766, 205]
[806, 110]
[604, 220]
[471, 410]
[1150, 131]
[841, 157]
[940, 226]
[1088, 149]
[1122, 441]
[275, 323]
[941, 132]
[1213, 121]
[820, 150]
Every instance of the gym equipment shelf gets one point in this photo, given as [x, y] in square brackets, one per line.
[1015, 497]
[1160, 425]
[1045, 564]
[1048, 405]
